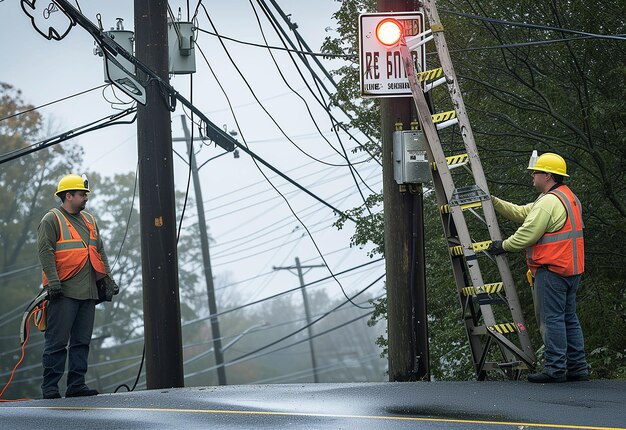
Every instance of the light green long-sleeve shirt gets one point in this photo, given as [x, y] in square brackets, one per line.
[545, 215]
[82, 286]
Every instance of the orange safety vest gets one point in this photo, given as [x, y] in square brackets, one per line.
[563, 251]
[72, 253]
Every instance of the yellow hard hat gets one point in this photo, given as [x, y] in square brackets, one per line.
[72, 183]
[550, 163]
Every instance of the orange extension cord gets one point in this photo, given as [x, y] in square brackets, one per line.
[32, 315]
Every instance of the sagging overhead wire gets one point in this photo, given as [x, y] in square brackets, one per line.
[534, 26]
[275, 48]
[244, 147]
[269, 115]
[344, 155]
[106, 121]
[259, 351]
[317, 80]
[353, 171]
[227, 311]
[258, 159]
[52, 102]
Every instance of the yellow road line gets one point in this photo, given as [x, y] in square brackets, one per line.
[305, 414]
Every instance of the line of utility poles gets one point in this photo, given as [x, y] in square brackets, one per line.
[407, 323]
[206, 259]
[307, 309]
[161, 301]
[404, 230]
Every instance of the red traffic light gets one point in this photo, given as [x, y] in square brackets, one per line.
[389, 31]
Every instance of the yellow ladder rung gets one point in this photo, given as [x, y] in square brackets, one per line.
[429, 75]
[446, 208]
[443, 116]
[505, 328]
[493, 288]
[452, 160]
[476, 246]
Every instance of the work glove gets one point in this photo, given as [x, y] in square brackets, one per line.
[54, 291]
[495, 248]
[107, 288]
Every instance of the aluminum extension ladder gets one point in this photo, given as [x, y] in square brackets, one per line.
[497, 346]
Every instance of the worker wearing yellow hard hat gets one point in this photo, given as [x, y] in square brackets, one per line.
[551, 233]
[76, 276]
[72, 183]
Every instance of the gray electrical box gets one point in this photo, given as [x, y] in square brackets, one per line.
[125, 38]
[410, 162]
[182, 52]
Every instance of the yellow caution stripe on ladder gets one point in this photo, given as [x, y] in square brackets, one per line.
[444, 209]
[476, 246]
[495, 287]
[429, 75]
[443, 116]
[453, 160]
[444, 119]
[505, 328]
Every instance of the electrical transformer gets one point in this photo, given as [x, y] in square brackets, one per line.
[181, 41]
[410, 162]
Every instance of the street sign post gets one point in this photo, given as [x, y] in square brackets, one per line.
[381, 70]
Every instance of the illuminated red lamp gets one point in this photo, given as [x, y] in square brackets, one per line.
[389, 31]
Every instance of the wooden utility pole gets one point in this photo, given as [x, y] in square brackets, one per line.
[159, 258]
[307, 309]
[206, 260]
[404, 245]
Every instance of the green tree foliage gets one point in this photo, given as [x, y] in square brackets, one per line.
[564, 94]
[27, 188]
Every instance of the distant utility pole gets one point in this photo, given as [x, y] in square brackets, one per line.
[206, 260]
[159, 258]
[404, 246]
[307, 309]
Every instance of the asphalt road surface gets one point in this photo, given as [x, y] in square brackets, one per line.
[421, 405]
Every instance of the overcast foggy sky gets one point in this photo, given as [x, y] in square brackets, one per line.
[48, 70]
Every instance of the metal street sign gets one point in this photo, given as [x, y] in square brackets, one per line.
[381, 69]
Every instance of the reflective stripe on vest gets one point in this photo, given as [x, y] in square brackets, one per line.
[549, 250]
[72, 253]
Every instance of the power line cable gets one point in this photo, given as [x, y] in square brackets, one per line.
[275, 48]
[52, 102]
[130, 213]
[59, 138]
[323, 104]
[204, 353]
[227, 311]
[518, 45]
[534, 26]
[317, 80]
[269, 115]
[259, 351]
[336, 125]
[245, 148]
[258, 159]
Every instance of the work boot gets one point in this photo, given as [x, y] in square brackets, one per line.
[543, 378]
[84, 392]
[52, 395]
[576, 378]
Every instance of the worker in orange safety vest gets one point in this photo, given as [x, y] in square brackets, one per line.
[76, 276]
[552, 235]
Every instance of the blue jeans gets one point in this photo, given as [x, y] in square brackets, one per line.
[555, 308]
[67, 321]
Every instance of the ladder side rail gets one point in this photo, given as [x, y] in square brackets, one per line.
[443, 172]
[477, 170]
[469, 315]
